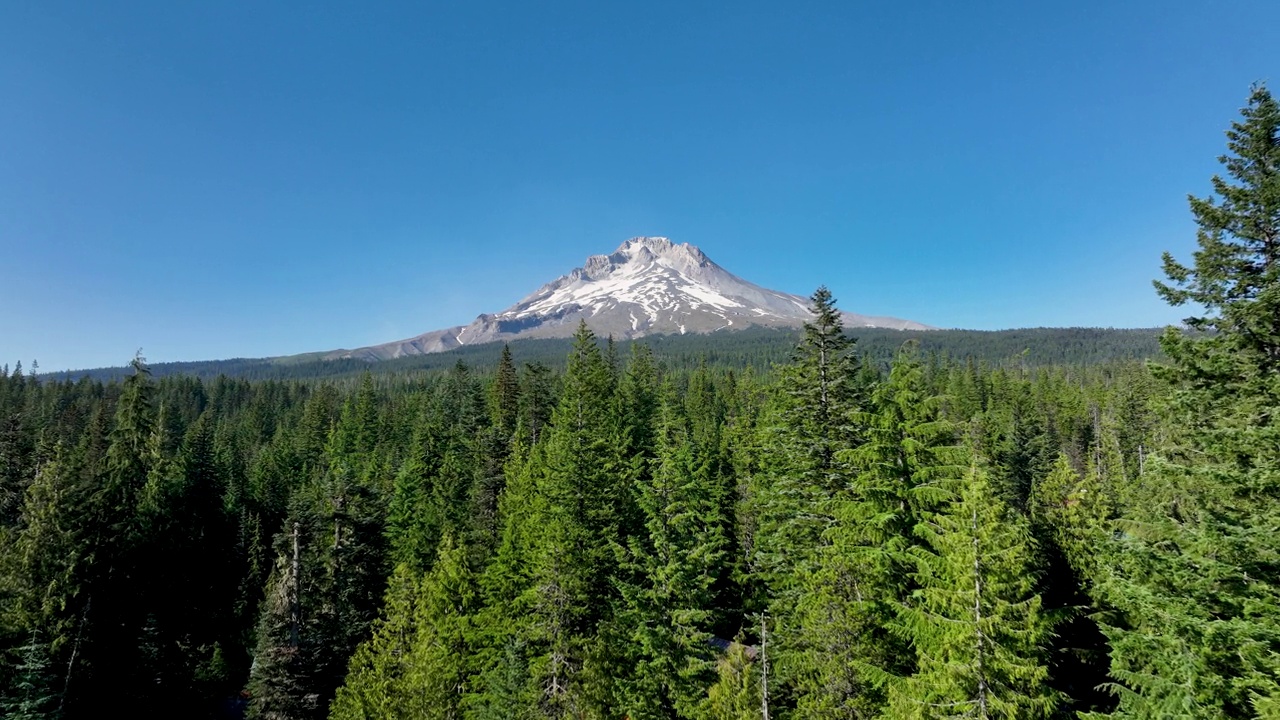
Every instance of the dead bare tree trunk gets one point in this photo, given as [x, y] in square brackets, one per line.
[764, 667]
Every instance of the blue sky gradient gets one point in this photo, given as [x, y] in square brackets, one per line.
[210, 180]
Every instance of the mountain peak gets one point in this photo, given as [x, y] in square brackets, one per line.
[641, 254]
[648, 286]
[655, 244]
[659, 246]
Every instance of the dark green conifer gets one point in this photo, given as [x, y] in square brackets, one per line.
[667, 607]
[499, 440]
[1194, 571]
[419, 662]
[844, 652]
[976, 624]
[537, 399]
[116, 576]
[504, 396]
[808, 430]
[33, 693]
[579, 499]
[282, 685]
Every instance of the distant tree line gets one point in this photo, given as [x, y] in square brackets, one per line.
[756, 348]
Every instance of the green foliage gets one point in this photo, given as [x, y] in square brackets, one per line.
[844, 653]
[736, 693]
[808, 427]
[419, 661]
[579, 496]
[906, 465]
[281, 685]
[977, 627]
[1077, 511]
[1236, 276]
[674, 565]
[1194, 572]
[755, 348]
[34, 694]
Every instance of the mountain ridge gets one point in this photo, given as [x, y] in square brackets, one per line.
[647, 286]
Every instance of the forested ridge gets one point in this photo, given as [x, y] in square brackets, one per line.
[756, 348]
[621, 536]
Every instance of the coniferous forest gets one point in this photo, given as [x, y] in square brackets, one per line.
[632, 535]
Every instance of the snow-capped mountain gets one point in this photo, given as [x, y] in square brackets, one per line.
[648, 286]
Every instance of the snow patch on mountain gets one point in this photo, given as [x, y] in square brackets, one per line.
[649, 285]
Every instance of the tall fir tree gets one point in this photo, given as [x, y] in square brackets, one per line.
[810, 429]
[499, 440]
[1194, 572]
[32, 694]
[504, 626]
[374, 688]
[975, 623]
[282, 684]
[638, 408]
[905, 471]
[675, 563]
[736, 692]
[116, 572]
[1070, 518]
[581, 494]
[414, 522]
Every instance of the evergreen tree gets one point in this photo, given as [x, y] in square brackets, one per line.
[707, 410]
[189, 581]
[1075, 510]
[537, 399]
[1236, 276]
[504, 688]
[1070, 520]
[43, 571]
[419, 662]
[503, 625]
[1194, 572]
[439, 677]
[639, 409]
[736, 693]
[580, 495]
[17, 447]
[504, 396]
[115, 573]
[374, 687]
[359, 430]
[819, 384]
[499, 441]
[977, 627]
[845, 654]
[323, 597]
[1023, 449]
[414, 523]
[667, 609]
[282, 686]
[906, 468]
[34, 694]
[809, 432]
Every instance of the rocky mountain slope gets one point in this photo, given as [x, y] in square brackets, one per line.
[648, 286]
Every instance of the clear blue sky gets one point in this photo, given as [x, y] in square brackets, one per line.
[217, 179]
